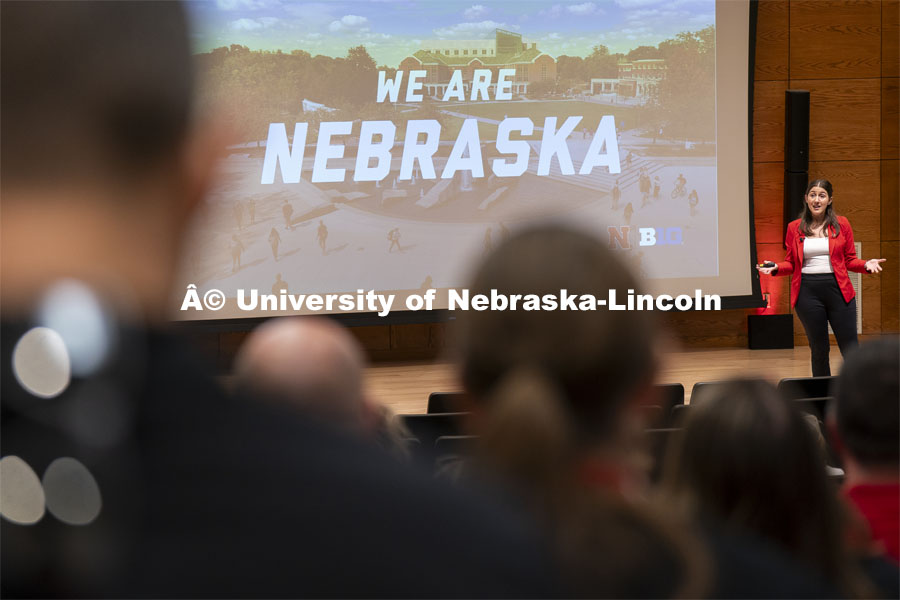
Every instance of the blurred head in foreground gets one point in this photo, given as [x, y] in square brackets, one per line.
[556, 395]
[864, 424]
[102, 161]
[316, 367]
[568, 379]
[309, 363]
[865, 416]
[749, 459]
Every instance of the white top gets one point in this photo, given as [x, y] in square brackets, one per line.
[815, 256]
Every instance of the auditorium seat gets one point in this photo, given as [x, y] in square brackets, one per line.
[678, 414]
[671, 395]
[793, 388]
[814, 406]
[657, 443]
[428, 428]
[703, 389]
[444, 402]
[459, 445]
[653, 415]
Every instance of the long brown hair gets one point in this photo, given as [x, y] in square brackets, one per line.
[551, 387]
[806, 218]
[747, 457]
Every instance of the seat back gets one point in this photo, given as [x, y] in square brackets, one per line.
[444, 402]
[794, 388]
[428, 428]
[814, 406]
[459, 445]
[658, 441]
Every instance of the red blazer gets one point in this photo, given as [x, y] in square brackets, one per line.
[841, 249]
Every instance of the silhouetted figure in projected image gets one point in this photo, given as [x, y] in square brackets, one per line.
[237, 248]
[680, 186]
[287, 210]
[322, 236]
[693, 201]
[644, 185]
[616, 195]
[629, 211]
[274, 242]
[280, 284]
[394, 237]
[656, 188]
[238, 210]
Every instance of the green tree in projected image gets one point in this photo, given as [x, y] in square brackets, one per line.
[255, 88]
[684, 104]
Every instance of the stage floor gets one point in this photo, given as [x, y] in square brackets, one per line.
[405, 386]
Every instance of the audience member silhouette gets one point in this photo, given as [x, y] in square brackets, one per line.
[556, 395]
[747, 458]
[864, 424]
[310, 364]
[557, 400]
[181, 490]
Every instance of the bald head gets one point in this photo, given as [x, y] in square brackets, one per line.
[309, 363]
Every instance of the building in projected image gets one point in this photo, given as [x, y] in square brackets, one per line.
[636, 79]
[439, 58]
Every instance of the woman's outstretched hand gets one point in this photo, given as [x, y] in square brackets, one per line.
[874, 265]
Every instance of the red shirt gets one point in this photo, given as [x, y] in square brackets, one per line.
[841, 250]
[880, 505]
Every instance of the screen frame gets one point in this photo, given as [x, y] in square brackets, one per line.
[408, 317]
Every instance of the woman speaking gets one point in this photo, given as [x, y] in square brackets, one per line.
[820, 252]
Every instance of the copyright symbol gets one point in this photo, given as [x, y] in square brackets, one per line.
[214, 299]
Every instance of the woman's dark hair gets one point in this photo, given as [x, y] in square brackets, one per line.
[806, 219]
[590, 360]
[552, 388]
[748, 458]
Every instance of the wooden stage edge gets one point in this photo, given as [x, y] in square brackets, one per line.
[404, 387]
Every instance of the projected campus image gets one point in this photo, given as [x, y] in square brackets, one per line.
[387, 146]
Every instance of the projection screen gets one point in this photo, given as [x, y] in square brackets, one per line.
[388, 146]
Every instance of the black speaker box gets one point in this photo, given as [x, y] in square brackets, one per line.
[794, 192]
[796, 130]
[770, 332]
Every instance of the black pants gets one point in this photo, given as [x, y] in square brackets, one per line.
[820, 302]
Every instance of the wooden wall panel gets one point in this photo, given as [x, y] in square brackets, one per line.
[410, 336]
[376, 337]
[844, 118]
[890, 124]
[857, 194]
[890, 31]
[871, 291]
[772, 40]
[708, 329]
[768, 121]
[890, 200]
[768, 202]
[890, 285]
[834, 40]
